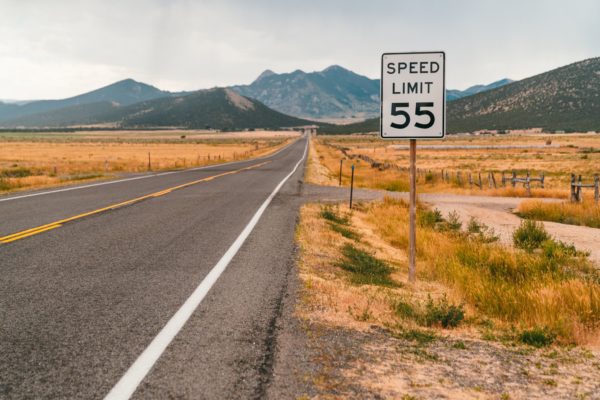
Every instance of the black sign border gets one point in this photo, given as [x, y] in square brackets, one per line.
[381, 98]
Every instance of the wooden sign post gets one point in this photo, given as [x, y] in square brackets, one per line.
[413, 106]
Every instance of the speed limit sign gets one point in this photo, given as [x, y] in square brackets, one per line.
[413, 101]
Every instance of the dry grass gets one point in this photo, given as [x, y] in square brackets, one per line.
[331, 294]
[552, 290]
[579, 154]
[38, 161]
[586, 213]
[485, 356]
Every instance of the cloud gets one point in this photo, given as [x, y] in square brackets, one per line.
[62, 48]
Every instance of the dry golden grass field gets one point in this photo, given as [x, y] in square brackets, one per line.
[557, 156]
[31, 160]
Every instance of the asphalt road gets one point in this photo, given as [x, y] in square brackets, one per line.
[81, 301]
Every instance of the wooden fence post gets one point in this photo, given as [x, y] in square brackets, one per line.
[596, 188]
[470, 180]
[514, 178]
[542, 177]
[480, 182]
[528, 185]
[579, 197]
[573, 188]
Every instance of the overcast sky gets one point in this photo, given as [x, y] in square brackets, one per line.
[60, 48]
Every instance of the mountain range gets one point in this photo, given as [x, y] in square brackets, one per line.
[567, 98]
[334, 92]
[563, 99]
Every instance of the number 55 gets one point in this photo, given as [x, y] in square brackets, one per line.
[418, 111]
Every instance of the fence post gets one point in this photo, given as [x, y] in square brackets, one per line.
[579, 197]
[542, 177]
[596, 188]
[514, 179]
[351, 186]
[503, 180]
[573, 187]
[149, 163]
[480, 182]
[470, 180]
[341, 161]
[494, 180]
[528, 185]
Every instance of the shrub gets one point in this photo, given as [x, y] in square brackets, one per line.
[430, 218]
[537, 337]
[404, 309]
[453, 222]
[442, 313]
[480, 231]
[530, 235]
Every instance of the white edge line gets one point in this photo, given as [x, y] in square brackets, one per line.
[141, 177]
[128, 384]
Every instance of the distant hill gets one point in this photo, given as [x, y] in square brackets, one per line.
[332, 93]
[566, 98]
[121, 93]
[215, 108]
[453, 94]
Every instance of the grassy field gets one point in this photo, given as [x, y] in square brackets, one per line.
[557, 156]
[586, 213]
[30, 160]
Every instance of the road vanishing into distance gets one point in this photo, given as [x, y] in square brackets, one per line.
[156, 286]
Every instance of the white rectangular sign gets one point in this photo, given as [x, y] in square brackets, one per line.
[413, 95]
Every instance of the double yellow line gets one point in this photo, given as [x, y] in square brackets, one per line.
[53, 225]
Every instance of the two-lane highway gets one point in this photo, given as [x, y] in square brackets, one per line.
[162, 286]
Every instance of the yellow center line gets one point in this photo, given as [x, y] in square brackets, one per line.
[43, 228]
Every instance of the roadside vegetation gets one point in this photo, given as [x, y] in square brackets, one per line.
[586, 213]
[475, 301]
[542, 283]
[40, 160]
